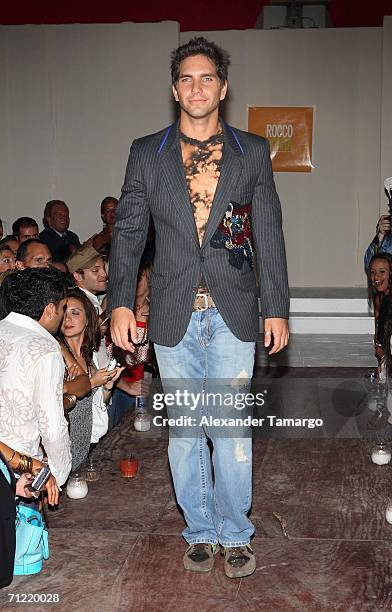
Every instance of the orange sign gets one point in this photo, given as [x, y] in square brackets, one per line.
[289, 130]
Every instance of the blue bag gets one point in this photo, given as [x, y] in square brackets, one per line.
[31, 541]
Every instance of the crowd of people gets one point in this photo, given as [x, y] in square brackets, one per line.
[62, 385]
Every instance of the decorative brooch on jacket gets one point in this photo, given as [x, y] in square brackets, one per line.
[234, 234]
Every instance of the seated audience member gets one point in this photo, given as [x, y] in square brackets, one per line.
[9, 487]
[11, 242]
[60, 240]
[33, 253]
[25, 228]
[87, 266]
[7, 258]
[1, 229]
[80, 338]
[101, 242]
[380, 278]
[31, 376]
[382, 242]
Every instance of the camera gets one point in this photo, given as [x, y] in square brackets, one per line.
[112, 365]
[41, 478]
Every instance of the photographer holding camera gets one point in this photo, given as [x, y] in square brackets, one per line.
[382, 241]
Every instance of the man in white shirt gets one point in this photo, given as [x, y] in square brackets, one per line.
[32, 368]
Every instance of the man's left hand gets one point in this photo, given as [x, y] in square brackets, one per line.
[276, 332]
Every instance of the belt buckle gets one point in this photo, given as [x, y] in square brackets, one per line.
[205, 296]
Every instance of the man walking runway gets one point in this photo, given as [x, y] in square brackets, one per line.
[219, 245]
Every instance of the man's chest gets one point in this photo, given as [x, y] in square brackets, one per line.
[202, 168]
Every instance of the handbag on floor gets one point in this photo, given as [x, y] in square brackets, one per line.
[32, 545]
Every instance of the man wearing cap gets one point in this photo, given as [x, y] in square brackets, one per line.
[87, 266]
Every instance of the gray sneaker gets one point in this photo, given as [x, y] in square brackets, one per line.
[240, 561]
[200, 557]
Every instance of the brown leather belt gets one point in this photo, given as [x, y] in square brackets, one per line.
[203, 301]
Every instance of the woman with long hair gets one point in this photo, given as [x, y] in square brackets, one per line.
[79, 339]
[380, 281]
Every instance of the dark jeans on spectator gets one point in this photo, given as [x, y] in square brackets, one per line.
[121, 404]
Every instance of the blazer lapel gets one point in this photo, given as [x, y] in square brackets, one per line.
[228, 179]
[174, 177]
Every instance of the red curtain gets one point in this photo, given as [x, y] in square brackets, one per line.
[199, 15]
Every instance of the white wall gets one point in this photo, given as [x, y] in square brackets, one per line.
[330, 214]
[73, 97]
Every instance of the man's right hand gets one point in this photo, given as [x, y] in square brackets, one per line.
[383, 227]
[122, 324]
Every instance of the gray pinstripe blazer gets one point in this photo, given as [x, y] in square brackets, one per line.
[155, 182]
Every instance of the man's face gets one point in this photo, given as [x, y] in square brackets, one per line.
[198, 89]
[27, 232]
[37, 256]
[109, 212]
[93, 279]
[59, 218]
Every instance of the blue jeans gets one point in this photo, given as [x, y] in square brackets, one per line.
[214, 491]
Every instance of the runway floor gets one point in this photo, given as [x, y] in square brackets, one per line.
[120, 548]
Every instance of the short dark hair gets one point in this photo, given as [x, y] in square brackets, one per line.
[200, 46]
[92, 335]
[23, 222]
[7, 238]
[23, 248]
[106, 200]
[28, 292]
[5, 247]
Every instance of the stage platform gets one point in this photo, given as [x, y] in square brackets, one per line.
[329, 327]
